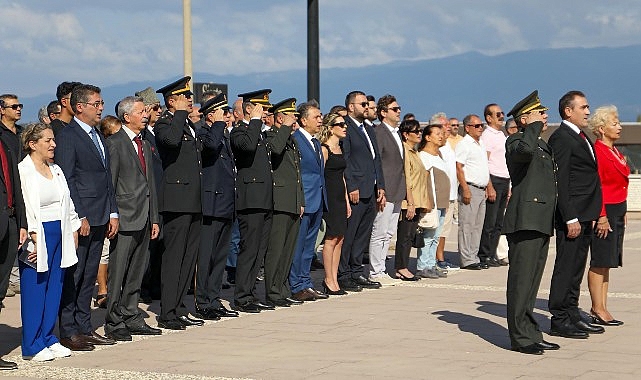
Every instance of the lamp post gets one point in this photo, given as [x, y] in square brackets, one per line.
[313, 70]
[187, 40]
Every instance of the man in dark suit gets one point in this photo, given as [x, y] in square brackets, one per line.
[133, 181]
[578, 207]
[289, 203]
[312, 172]
[254, 202]
[392, 155]
[180, 204]
[366, 191]
[85, 160]
[529, 221]
[218, 196]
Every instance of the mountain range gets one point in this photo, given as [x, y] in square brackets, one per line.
[457, 85]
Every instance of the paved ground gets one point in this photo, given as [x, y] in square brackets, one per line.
[448, 328]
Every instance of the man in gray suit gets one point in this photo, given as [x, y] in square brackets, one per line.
[132, 176]
[390, 149]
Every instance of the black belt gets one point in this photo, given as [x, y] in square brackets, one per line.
[477, 186]
[11, 211]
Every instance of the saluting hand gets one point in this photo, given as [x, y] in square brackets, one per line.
[181, 103]
[219, 115]
[256, 112]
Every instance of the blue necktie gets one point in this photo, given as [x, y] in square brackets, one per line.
[94, 137]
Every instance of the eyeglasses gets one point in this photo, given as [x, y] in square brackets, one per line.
[475, 125]
[363, 104]
[395, 109]
[95, 104]
[341, 124]
[417, 131]
[15, 106]
[499, 114]
[156, 107]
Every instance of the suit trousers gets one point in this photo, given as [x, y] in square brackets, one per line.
[569, 266]
[79, 283]
[8, 253]
[215, 238]
[357, 237]
[234, 245]
[255, 227]
[493, 223]
[299, 274]
[280, 253]
[383, 229]
[470, 226]
[182, 238]
[127, 264]
[40, 295]
[527, 254]
[404, 238]
[151, 280]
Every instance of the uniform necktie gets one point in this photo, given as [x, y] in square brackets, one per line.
[94, 137]
[7, 175]
[141, 156]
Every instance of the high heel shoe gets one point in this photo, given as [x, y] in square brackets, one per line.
[402, 277]
[599, 321]
[339, 292]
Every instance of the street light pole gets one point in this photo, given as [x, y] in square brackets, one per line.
[313, 69]
[187, 39]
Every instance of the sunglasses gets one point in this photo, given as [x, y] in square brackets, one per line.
[395, 109]
[499, 114]
[363, 104]
[156, 107]
[475, 125]
[416, 131]
[15, 106]
[341, 124]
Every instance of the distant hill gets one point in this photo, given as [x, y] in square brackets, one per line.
[457, 85]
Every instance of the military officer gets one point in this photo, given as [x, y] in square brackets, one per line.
[529, 221]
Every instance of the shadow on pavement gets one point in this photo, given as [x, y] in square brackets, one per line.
[485, 329]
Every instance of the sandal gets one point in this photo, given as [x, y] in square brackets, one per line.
[101, 301]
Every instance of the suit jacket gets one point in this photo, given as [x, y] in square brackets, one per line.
[219, 178]
[180, 155]
[578, 179]
[135, 192]
[18, 202]
[362, 172]
[288, 185]
[157, 162]
[88, 178]
[312, 170]
[530, 161]
[254, 174]
[392, 164]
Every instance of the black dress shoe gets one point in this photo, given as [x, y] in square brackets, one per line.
[588, 328]
[247, 308]
[171, 324]
[121, 335]
[484, 265]
[547, 345]
[350, 286]
[532, 349]
[186, 321]
[279, 303]
[223, 312]
[568, 331]
[366, 283]
[7, 365]
[491, 262]
[145, 329]
[98, 340]
[293, 301]
[76, 343]
[318, 294]
[206, 314]
[328, 291]
[598, 321]
[475, 266]
[263, 306]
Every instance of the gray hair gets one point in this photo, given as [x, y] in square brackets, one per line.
[42, 114]
[126, 105]
[304, 108]
[436, 118]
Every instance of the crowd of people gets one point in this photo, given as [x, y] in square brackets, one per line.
[165, 197]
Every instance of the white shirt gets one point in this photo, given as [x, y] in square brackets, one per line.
[473, 156]
[131, 136]
[449, 156]
[578, 131]
[309, 138]
[396, 136]
[371, 147]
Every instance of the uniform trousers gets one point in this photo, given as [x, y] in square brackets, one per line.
[470, 221]
[299, 274]
[357, 237]
[527, 254]
[255, 227]
[215, 238]
[182, 238]
[280, 253]
[40, 295]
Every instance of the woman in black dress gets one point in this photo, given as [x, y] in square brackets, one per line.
[332, 131]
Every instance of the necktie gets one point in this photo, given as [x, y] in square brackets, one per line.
[7, 175]
[94, 137]
[583, 135]
[141, 157]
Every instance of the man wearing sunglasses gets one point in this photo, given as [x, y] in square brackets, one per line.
[11, 112]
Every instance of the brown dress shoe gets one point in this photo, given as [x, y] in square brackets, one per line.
[304, 295]
[317, 294]
[97, 339]
[76, 343]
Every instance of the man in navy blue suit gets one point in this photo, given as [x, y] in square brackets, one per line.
[312, 173]
[84, 159]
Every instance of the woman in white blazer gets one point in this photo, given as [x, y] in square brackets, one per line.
[53, 226]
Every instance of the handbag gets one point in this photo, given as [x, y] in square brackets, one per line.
[417, 240]
[430, 220]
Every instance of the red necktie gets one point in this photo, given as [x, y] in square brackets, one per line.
[141, 157]
[583, 135]
[7, 175]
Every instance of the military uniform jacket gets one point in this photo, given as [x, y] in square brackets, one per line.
[218, 193]
[254, 173]
[288, 186]
[530, 161]
[180, 155]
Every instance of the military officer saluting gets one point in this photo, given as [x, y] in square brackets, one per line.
[529, 221]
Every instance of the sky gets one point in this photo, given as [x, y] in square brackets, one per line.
[113, 42]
